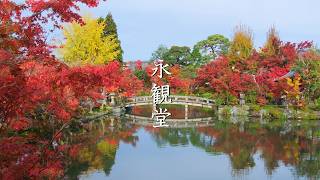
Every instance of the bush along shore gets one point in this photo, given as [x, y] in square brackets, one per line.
[270, 112]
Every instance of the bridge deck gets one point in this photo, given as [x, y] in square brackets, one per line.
[180, 100]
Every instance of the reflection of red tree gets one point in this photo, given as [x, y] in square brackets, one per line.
[177, 112]
[232, 141]
[96, 151]
[151, 129]
[273, 147]
[112, 141]
[212, 132]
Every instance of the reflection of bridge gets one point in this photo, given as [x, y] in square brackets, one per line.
[173, 123]
[142, 118]
[176, 100]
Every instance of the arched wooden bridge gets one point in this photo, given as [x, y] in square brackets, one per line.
[178, 100]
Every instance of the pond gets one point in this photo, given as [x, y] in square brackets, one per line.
[118, 149]
[177, 111]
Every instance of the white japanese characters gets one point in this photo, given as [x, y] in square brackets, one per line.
[160, 94]
[159, 67]
[160, 117]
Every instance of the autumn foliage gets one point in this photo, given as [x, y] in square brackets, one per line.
[39, 95]
[260, 74]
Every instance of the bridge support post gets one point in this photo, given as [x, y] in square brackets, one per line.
[112, 121]
[113, 100]
[242, 99]
[154, 107]
[186, 109]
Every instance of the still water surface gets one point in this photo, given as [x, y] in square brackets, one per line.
[225, 149]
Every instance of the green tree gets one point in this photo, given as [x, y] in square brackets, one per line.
[159, 53]
[212, 47]
[85, 45]
[196, 58]
[178, 55]
[181, 55]
[110, 29]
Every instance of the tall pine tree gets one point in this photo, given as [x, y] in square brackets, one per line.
[110, 29]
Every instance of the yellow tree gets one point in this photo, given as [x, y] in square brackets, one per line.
[272, 45]
[84, 44]
[293, 92]
[242, 43]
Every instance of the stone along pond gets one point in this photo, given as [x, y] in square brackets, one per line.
[122, 148]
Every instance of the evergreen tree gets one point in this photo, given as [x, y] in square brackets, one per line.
[212, 47]
[110, 29]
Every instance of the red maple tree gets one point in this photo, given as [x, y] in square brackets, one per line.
[39, 95]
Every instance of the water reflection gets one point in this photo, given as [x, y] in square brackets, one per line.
[177, 111]
[96, 146]
[224, 149]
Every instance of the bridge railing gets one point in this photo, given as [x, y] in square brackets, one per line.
[178, 99]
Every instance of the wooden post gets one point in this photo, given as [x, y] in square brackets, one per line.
[112, 122]
[154, 107]
[242, 99]
[186, 111]
[112, 97]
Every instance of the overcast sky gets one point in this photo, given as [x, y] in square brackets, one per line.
[145, 24]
